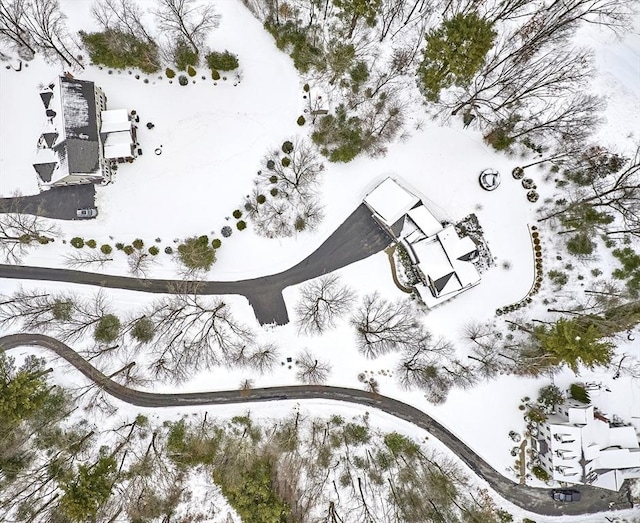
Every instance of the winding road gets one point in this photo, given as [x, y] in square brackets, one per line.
[532, 499]
[357, 238]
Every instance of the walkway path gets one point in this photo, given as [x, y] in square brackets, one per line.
[532, 499]
[357, 238]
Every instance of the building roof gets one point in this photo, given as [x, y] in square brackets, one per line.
[115, 120]
[118, 145]
[424, 220]
[390, 201]
[79, 109]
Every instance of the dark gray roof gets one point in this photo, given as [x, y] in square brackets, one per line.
[82, 155]
[45, 170]
[441, 283]
[469, 256]
[50, 138]
[46, 98]
[79, 109]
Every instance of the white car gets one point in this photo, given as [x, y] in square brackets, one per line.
[91, 212]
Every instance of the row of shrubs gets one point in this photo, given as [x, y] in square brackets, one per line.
[537, 249]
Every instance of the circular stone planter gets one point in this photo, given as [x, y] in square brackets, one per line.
[518, 173]
[533, 196]
[489, 179]
[158, 151]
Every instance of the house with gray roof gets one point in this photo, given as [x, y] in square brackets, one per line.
[71, 147]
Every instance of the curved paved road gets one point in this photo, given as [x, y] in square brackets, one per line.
[357, 238]
[529, 498]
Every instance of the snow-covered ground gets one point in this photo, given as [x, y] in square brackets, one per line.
[213, 139]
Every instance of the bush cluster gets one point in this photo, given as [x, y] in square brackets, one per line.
[121, 50]
[292, 38]
[197, 253]
[225, 61]
[184, 56]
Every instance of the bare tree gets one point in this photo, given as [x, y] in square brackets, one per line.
[262, 358]
[47, 26]
[13, 28]
[604, 183]
[185, 20]
[383, 326]
[194, 333]
[140, 263]
[19, 233]
[87, 259]
[36, 310]
[311, 370]
[298, 171]
[322, 302]
[121, 15]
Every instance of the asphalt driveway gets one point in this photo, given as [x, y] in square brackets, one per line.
[357, 238]
[60, 203]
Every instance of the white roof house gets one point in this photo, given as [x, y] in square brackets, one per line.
[115, 120]
[390, 201]
[118, 145]
[579, 445]
[442, 259]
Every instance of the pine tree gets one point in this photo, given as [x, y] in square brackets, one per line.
[455, 52]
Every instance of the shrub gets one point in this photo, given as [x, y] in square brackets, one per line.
[143, 330]
[184, 55]
[226, 231]
[340, 136]
[138, 243]
[241, 225]
[191, 71]
[237, 214]
[128, 250]
[557, 277]
[596, 272]
[579, 393]
[153, 250]
[300, 224]
[183, 80]
[274, 191]
[540, 473]
[301, 121]
[121, 50]
[286, 161]
[168, 250]
[119, 246]
[225, 61]
[170, 73]
[216, 243]
[287, 147]
[106, 249]
[580, 244]
[261, 198]
[215, 74]
[91, 244]
[77, 242]
[196, 253]
[271, 165]
[107, 329]
[273, 179]
[305, 88]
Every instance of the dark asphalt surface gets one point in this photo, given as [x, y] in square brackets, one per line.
[529, 498]
[357, 238]
[60, 203]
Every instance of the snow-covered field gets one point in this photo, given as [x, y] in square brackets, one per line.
[213, 139]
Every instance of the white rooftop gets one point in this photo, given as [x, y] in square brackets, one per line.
[390, 201]
[425, 221]
[118, 145]
[115, 120]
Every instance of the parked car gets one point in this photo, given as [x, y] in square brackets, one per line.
[90, 212]
[566, 495]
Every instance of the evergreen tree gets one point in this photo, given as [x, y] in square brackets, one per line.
[455, 52]
[573, 341]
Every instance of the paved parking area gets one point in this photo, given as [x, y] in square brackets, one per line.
[60, 203]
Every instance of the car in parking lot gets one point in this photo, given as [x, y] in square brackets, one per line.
[90, 212]
[565, 495]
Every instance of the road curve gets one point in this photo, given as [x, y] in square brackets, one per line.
[529, 498]
[357, 238]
